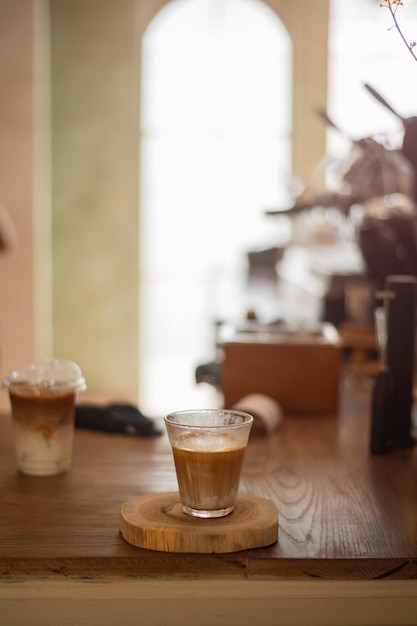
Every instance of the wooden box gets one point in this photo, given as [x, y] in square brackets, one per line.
[300, 368]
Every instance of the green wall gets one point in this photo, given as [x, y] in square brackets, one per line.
[95, 57]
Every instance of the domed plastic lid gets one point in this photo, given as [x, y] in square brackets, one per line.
[46, 376]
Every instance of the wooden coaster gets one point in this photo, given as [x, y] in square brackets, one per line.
[157, 522]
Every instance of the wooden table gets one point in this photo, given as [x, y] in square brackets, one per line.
[346, 553]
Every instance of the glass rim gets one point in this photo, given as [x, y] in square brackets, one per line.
[172, 418]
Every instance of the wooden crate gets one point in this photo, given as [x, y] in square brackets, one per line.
[300, 369]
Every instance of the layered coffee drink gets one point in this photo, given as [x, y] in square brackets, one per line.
[43, 428]
[42, 397]
[208, 448]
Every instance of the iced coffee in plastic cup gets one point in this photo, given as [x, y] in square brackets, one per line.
[208, 447]
[42, 398]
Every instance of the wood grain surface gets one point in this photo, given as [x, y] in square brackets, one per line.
[343, 513]
[157, 522]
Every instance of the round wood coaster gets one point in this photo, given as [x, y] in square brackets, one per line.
[156, 522]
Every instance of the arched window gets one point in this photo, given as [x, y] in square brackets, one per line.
[216, 125]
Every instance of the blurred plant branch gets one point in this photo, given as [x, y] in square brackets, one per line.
[392, 6]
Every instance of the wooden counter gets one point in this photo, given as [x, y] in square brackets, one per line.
[346, 552]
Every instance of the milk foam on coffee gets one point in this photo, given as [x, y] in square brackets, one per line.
[209, 442]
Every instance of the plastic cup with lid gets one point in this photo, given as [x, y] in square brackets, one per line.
[42, 397]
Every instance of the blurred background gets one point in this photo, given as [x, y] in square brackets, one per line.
[147, 149]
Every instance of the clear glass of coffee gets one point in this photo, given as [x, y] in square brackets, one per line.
[208, 446]
[42, 397]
